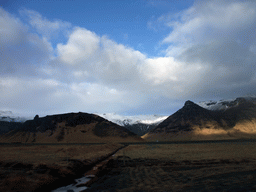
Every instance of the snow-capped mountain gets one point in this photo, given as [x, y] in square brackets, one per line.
[194, 122]
[125, 120]
[139, 124]
[225, 104]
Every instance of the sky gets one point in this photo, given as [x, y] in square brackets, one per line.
[133, 57]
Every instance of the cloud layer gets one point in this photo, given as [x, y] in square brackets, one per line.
[219, 35]
[211, 54]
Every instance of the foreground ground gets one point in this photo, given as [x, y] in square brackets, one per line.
[227, 166]
[182, 167]
[37, 167]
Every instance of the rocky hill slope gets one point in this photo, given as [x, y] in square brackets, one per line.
[194, 122]
[69, 128]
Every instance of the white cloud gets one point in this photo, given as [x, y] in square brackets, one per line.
[162, 69]
[220, 36]
[11, 29]
[49, 96]
[21, 51]
[81, 46]
[106, 61]
[27, 95]
[44, 26]
[213, 20]
[119, 64]
[172, 78]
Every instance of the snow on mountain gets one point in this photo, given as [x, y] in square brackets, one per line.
[140, 124]
[9, 116]
[225, 104]
[130, 120]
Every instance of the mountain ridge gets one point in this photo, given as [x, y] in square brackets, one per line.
[228, 118]
[195, 122]
[69, 127]
[139, 124]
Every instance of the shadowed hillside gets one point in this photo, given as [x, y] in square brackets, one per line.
[195, 122]
[6, 126]
[140, 128]
[71, 128]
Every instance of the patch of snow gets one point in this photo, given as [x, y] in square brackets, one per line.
[213, 105]
[154, 121]
[130, 120]
[225, 104]
[12, 117]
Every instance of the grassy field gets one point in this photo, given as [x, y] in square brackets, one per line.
[27, 168]
[54, 154]
[183, 167]
[228, 150]
[229, 166]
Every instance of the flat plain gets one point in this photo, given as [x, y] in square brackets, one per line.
[43, 167]
[228, 166]
[191, 166]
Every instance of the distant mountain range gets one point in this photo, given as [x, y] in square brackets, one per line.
[140, 124]
[226, 120]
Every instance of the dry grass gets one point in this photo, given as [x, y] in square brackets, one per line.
[231, 150]
[186, 178]
[27, 168]
[49, 154]
[183, 167]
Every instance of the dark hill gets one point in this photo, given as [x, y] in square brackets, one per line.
[70, 127]
[6, 126]
[193, 120]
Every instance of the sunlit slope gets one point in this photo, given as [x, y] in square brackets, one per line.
[193, 122]
[70, 128]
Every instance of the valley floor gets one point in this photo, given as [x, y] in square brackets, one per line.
[190, 166]
[205, 175]
[26, 168]
[182, 167]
